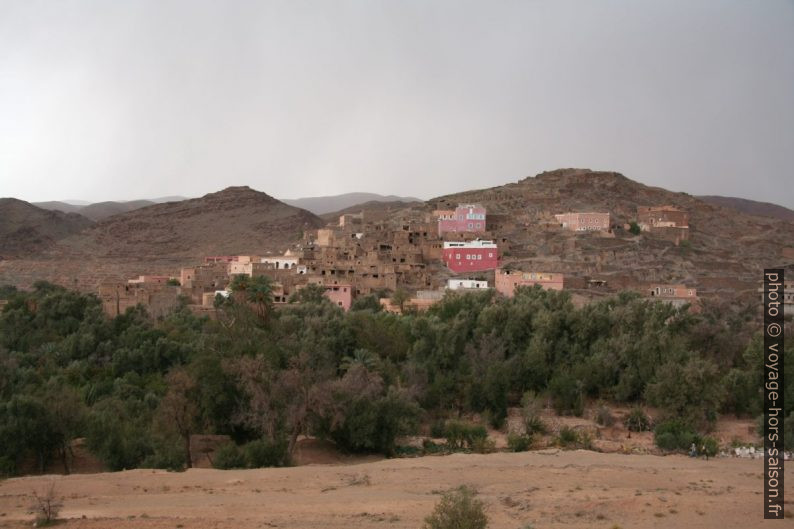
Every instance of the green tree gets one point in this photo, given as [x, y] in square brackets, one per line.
[257, 290]
[400, 298]
[178, 410]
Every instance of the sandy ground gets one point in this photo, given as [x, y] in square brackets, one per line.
[547, 489]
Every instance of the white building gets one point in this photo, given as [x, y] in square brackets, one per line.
[466, 284]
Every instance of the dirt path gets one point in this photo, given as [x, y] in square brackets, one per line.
[548, 489]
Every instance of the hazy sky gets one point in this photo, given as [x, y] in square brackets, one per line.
[116, 99]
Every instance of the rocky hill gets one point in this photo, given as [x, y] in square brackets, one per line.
[237, 220]
[727, 251]
[26, 229]
[163, 237]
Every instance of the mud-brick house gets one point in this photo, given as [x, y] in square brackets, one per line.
[157, 298]
[471, 256]
[584, 221]
[506, 281]
[676, 295]
[667, 222]
[649, 217]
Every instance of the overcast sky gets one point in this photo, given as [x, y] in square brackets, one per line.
[115, 100]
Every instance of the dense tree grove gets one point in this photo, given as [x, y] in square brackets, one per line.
[136, 389]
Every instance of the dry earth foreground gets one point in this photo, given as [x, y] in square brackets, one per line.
[544, 489]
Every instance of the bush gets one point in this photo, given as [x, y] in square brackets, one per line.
[482, 445]
[168, 455]
[266, 453]
[531, 408]
[674, 435]
[567, 395]
[709, 447]
[438, 429]
[429, 447]
[458, 509]
[228, 456]
[637, 421]
[604, 417]
[462, 434]
[634, 228]
[519, 443]
[47, 506]
[568, 437]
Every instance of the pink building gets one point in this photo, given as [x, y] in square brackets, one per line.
[584, 221]
[465, 218]
[506, 281]
[340, 295]
[471, 256]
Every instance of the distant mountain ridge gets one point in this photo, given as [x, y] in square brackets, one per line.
[751, 207]
[101, 210]
[328, 204]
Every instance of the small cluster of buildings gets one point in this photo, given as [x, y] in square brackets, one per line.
[370, 253]
[667, 222]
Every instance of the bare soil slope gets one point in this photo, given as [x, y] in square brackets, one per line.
[548, 489]
[26, 229]
[751, 207]
[727, 249]
[162, 237]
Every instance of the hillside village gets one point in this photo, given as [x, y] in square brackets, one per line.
[590, 233]
[422, 254]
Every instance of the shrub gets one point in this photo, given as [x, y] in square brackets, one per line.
[458, 509]
[634, 228]
[604, 417]
[47, 506]
[674, 435]
[519, 443]
[709, 447]
[637, 421]
[438, 429]
[266, 453]
[567, 395]
[531, 408]
[568, 437]
[462, 434]
[482, 445]
[228, 456]
[429, 447]
[168, 455]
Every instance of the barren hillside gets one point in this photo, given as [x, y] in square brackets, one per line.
[751, 207]
[237, 220]
[162, 237]
[26, 229]
[727, 251]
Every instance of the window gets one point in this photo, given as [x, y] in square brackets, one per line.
[470, 225]
[457, 256]
[490, 254]
[468, 257]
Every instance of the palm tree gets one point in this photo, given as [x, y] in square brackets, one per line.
[258, 291]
